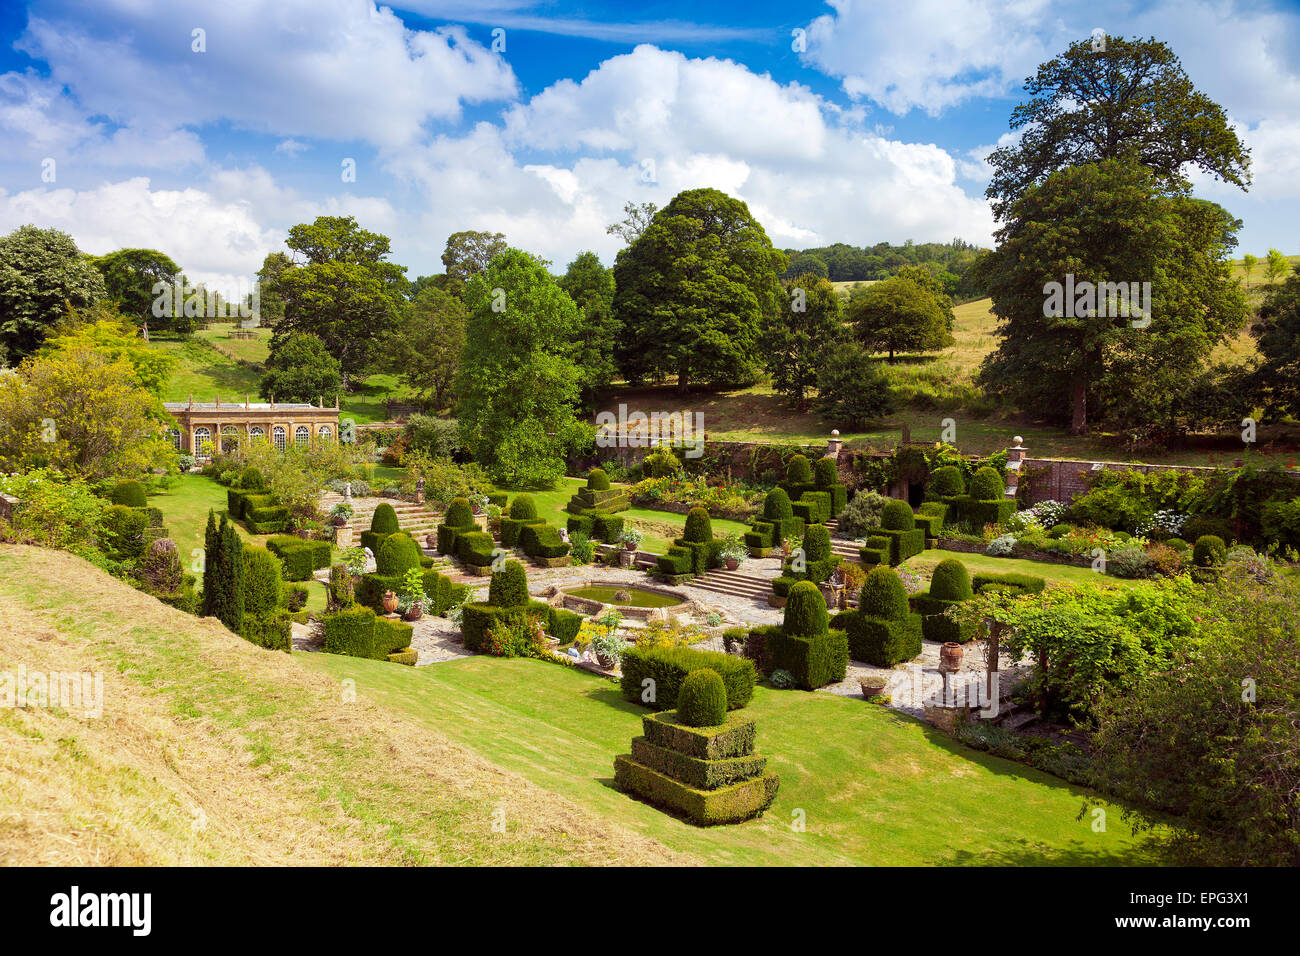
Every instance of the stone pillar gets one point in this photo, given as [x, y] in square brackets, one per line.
[834, 445]
[419, 491]
[1016, 455]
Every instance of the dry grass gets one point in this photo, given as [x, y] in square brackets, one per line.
[213, 751]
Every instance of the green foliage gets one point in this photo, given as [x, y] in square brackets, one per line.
[1209, 551]
[987, 485]
[301, 369]
[699, 528]
[853, 390]
[899, 315]
[298, 556]
[863, 512]
[794, 339]
[702, 699]
[897, 516]
[825, 472]
[424, 349]
[398, 554]
[41, 272]
[661, 463]
[1277, 336]
[357, 632]
[262, 577]
[817, 543]
[129, 493]
[776, 506]
[950, 581]
[798, 471]
[805, 611]
[667, 667]
[509, 587]
[591, 287]
[459, 514]
[597, 480]
[129, 279]
[223, 574]
[694, 292]
[523, 508]
[883, 594]
[1011, 581]
[384, 520]
[947, 482]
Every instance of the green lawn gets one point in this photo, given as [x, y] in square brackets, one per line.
[873, 786]
[977, 563]
[659, 526]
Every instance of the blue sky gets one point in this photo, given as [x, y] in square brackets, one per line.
[848, 121]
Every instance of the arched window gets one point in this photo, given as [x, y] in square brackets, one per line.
[174, 436]
[325, 432]
[229, 438]
[301, 435]
[202, 436]
[277, 434]
[257, 433]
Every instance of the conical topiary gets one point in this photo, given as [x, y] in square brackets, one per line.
[825, 472]
[459, 514]
[776, 506]
[702, 699]
[384, 520]
[523, 508]
[597, 480]
[699, 527]
[805, 611]
[129, 493]
[798, 471]
[509, 587]
[947, 482]
[397, 555]
[897, 516]
[987, 485]
[816, 542]
[883, 595]
[950, 581]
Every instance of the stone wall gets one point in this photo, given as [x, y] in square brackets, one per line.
[1063, 479]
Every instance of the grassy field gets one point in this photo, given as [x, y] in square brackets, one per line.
[210, 751]
[873, 786]
[925, 562]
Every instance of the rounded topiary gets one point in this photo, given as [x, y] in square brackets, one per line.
[523, 508]
[597, 480]
[250, 479]
[950, 581]
[128, 493]
[798, 471]
[805, 611]
[702, 699]
[1178, 544]
[384, 520]
[987, 485]
[397, 555]
[776, 506]
[509, 587]
[459, 514]
[883, 594]
[699, 527]
[1058, 531]
[947, 482]
[816, 542]
[897, 516]
[825, 472]
[1209, 551]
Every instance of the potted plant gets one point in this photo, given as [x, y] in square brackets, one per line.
[631, 538]
[873, 685]
[412, 599]
[340, 514]
[608, 645]
[734, 552]
[477, 502]
[788, 545]
[493, 517]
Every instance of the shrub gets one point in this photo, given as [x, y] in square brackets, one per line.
[897, 516]
[667, 667]
[883, 594]
[782, 679]
[699, 528]
[123, 536]
[250, 479]
[160, 567]
[805, 610]
[299, 556]
[509, 587]
[947, 482]
[384, 520]
[798, 471]
[817, 543]
[523, 508]
[825, 472]
[987, 485]
[563, 624]
[342, 588]
[261, 580]
[1130, 561]
[950, 581]
[1209, 551]
[397, 555]
[813, 507]
[862, 513]
[1010, 581]
[702, 700]
[661, 463]
[459, 514]
[541, 540]
[776, 506]
[597, 480]
[357, 632]
[128, 493]
[1003, 546]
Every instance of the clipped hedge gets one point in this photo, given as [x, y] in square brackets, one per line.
[667, 667]
[128, 493]
[475, 548]
[299, 556]
[542, 541]
[702, 699]
[1010, 581]
[882, 631]
[358, 632]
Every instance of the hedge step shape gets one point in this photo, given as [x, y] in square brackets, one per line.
[729, 804]
[734, 737]
[693, 771]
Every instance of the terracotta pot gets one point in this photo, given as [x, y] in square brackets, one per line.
[950, 656]
[476, 509]
[431, 541]
[414, 614]
[604, 660]
[629, 546]
[390, 602]
[732, 564]
[873, 686]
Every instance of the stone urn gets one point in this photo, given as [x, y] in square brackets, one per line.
[732, 564]
[431, 541]
[414, 614]
[950, 656]
[390, 602]
[873, 685]
[629, 546]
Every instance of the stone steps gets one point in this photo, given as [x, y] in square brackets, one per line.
[734, 584]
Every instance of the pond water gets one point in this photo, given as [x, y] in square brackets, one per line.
[637, 596]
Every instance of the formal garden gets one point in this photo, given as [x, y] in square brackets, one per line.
[939, 649]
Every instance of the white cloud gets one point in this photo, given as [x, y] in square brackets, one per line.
[341, 70]
[291, 147]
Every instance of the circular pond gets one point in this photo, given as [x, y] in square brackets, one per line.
[592, 597]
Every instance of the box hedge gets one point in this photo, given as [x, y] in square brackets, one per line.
[358, 632]
[668, 666]
[542, 541]
[299, 556]
[1010, 581]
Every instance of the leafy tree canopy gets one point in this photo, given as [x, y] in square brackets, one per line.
[794, 339]
[899, 315]
[41, 273]
[301, 369]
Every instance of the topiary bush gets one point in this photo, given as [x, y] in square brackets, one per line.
[950, 581]
[804, 645]
[825, 472]
[523, 508]
[897, 516]
[987, 485]
[384, 520]
[702, 699]
[128, 493]
[459, 514]
[509, 587]
[699, 527]
[798, 471]
[805, 610]
[776, 506]
[250, 479]
[597, 480]
[397, 555]
[1209, 551]
[947, 482]
[261, 593]
[883, 594]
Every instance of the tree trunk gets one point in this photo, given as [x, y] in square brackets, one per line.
[684, 376]
[1079, 415]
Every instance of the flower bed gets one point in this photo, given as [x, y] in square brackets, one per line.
[680, 495]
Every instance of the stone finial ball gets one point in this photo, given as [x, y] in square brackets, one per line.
[1019, 440]
[835, 433]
